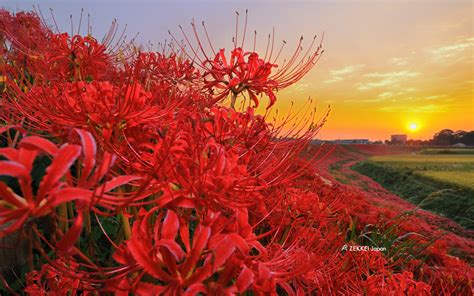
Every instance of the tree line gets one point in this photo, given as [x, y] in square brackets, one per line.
[447, 137]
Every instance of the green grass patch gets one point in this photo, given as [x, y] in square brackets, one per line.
[433, 151]
[445, 198]
[417, 162]
[456, 177]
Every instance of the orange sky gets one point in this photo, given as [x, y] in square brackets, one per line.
[386, 64]
[400, 64]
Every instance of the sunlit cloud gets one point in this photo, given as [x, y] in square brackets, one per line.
[385, 79]
[407, 90]
[430, 108]
[375, 100]
[453, 52]
[386, 95]
[398, 61]
[301, 87]
[447, 25]
[434, 97]
[342, 73]
[393, 75]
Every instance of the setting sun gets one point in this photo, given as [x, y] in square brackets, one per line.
[413, 126]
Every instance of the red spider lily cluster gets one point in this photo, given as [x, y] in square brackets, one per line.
[153, 186]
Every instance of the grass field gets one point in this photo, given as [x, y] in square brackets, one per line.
[428, 163]
[458, 177]
[442, 183]
[432, 151]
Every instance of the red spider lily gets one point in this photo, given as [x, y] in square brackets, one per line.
[76, 57]
[53, 191]
[98, 106]
[161, 68]
[23, 28]
[46, 56]
[153, 249]
[238, 75]
[254, 75]
[48, 281]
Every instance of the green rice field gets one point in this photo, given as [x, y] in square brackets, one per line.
[431, 151]
[458, 177]
[430, 164]
[441, 183]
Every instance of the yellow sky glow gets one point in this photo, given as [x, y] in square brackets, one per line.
[385, 80]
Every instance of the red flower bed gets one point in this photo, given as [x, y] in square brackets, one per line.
[127, 173]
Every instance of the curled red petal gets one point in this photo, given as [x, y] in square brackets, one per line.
[142, 256]
[170, 226]
[272, 97]
[233, 82]
[196, 289]
[118, 181]
[254, 98]
[7, 195]
[13, 169]
[9, 153]
[62, 161]
[70, 237]
[89, 148]
[147, 289]
[68, 194]
[245, 279]
[16, 127]
[172, 247]
[123, 256]
[201, 237]
[19, 217]
[39, 144]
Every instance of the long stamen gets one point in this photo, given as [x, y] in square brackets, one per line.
[72, 25]
[245, 27]
[54, 21]
[80, 21]
[254, 40]
[208, 39]
[236, 29]
[273, 43]
[198, 40]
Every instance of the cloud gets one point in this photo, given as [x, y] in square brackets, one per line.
[342, 73]
[398, 61]
[452, 51]
[385, 95]
[430, 108]
[374, 100]
[448, 25]
[400, 74]
[385, 79]
[408, 89]
[434, 97]
[301, 87]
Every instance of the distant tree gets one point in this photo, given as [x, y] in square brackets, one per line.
[444, 137]
[466, 138]
[450, 137]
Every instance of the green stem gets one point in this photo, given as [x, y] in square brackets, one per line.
[127, 231]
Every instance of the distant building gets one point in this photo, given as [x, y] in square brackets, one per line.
[352, 141]
[398, 139]
[459, 145]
